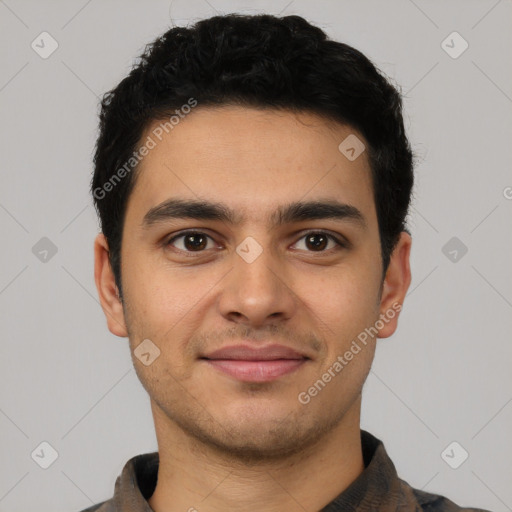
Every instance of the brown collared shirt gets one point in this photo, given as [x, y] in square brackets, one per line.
[377, 489]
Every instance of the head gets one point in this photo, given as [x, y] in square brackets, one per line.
[244, 116]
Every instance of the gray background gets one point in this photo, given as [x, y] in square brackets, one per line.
[443, 377]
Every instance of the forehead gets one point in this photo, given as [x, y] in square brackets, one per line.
[254, 159]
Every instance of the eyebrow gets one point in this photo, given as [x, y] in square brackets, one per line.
[293, 212]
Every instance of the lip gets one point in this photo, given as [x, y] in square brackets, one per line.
[262, 364]
[256, 371]
[249, 353]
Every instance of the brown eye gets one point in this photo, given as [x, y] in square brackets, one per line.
[192, 241]
[318, 241]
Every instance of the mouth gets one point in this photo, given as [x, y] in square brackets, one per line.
[249, 364]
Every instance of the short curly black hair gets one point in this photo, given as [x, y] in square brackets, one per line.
[259, 61]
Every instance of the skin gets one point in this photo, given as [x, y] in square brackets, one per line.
[226, 444]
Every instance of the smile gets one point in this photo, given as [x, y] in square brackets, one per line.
[256, 371]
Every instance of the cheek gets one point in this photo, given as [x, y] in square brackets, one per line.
[159, 292]
[168, 306]
[343, 302]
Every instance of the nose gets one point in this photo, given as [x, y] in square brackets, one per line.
[257, 292]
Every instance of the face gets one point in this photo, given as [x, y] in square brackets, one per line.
[254, 272]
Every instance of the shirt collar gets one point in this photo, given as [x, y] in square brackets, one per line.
[376, 488]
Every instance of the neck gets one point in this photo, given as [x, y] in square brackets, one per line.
[194, 477]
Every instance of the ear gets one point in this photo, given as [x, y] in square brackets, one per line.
[107, 289]
[395, 286]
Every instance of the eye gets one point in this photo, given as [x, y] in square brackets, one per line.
[318, 240]
[197, 241]
[192, 241]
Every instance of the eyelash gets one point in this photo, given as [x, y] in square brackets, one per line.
[340, 244]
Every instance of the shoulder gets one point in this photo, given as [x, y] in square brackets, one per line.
[104, 506]
[429, 502]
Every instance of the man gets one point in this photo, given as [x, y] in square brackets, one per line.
[252, 180]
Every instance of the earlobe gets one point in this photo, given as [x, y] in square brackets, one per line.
[396, 284]
[107, 289]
